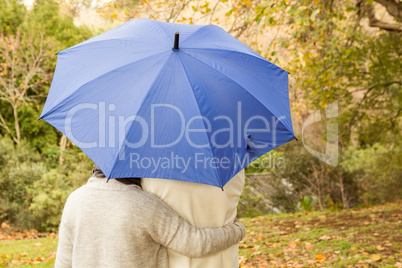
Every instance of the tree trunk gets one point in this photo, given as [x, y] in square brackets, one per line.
[16, 124]
[342, 187]
[63, 143]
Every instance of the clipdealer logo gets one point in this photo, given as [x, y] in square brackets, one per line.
[331, 151]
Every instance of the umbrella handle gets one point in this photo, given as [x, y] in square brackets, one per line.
[176, 41]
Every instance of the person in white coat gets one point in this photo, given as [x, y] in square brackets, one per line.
[203, 206]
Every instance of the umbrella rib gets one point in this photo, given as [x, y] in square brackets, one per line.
[62, 101]
[163, 30]
[242, 88]
[182, 41]
[82, 45]
[258, 56]
[142, 101]
[199, 109]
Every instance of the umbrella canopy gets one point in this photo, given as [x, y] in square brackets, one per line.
[163, 100]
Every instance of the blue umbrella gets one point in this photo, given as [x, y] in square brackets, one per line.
[162, 100]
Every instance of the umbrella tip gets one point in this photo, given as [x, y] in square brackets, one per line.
[176, 42]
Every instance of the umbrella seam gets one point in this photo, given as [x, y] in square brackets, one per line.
[199, 109]
[163, 30]
[242, 88]
[142, 101]
[271, 65]
[194, 32]
[67, 50]
[62, 101]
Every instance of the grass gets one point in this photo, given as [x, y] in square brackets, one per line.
[370, 237]
[40, 252]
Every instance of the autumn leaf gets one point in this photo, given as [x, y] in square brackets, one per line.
[319, 256]
[308, 246]
[325, 237]
[375, 257]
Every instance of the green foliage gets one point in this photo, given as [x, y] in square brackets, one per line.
[42, 135]
[267, 163]
[12, 13]
[45, 18]
[49, 196]
[20, 168]
[378, 171]
[33, 190]
[307, 203]
[250, 204]
[308, 184]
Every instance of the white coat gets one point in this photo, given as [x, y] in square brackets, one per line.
[202, 206]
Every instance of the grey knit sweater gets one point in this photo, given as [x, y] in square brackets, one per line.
[116, 225]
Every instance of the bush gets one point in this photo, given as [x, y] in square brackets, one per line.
[309, 184]
[20, 168]
[33, 190]
[250, 204]
[378, 172]
[50, 194]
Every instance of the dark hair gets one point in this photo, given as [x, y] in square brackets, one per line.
[99, 174]
[128, 181]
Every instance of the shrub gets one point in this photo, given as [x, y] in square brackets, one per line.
[20, 168]
[49, 196]
[378, 172]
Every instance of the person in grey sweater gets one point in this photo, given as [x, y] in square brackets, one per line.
[112, 223]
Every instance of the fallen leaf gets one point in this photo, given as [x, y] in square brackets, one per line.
[37, 244]
[375, 257]
[325, 237]
[354, 249]
[4, 256]
[308, 246]
[319, 256]
[242, 260]
[256, 253]
[293, 245]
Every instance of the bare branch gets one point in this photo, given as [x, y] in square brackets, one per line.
[213, 11]
[394, 8]
[4, 125]
[374, 22]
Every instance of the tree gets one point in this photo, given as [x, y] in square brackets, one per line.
[12, 14]
[28, 42]
[22, 73]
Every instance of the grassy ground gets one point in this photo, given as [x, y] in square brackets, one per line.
[39, 252]
[351, 238]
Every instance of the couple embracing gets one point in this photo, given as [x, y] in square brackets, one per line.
[143, 222]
